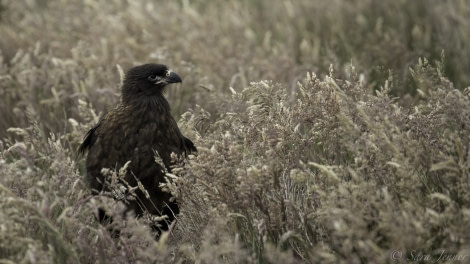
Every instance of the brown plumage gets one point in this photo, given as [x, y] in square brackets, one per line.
[140, 127]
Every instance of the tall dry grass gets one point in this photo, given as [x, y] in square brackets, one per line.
[328, 132]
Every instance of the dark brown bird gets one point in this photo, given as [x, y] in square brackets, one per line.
[137, 130]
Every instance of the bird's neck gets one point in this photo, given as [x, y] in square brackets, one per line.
[148, 106]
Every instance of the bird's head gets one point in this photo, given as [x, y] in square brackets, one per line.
[147, 80]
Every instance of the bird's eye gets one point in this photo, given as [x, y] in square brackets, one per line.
[167, 74]
[153, 77]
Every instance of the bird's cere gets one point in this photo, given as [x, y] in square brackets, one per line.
[172, 77]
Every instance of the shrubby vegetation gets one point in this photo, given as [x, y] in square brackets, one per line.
[328, 132]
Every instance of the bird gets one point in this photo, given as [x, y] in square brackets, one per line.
[139, 129]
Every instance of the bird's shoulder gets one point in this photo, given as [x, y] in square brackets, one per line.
[127, 126]
[88, 140]
[109, 121]
[189, 146]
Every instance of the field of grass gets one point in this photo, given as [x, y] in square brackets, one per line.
[328, 131]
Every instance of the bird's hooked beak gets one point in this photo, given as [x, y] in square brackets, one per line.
[172, 77]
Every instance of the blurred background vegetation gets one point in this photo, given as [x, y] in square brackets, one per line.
[329, 131]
